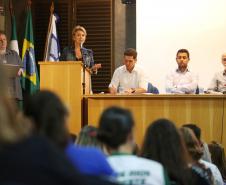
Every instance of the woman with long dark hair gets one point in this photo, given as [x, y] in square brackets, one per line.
[196, 152]
[50, 117]
[218, 157]
[164, 144]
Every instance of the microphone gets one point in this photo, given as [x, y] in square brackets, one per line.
[81, 45]
[85, 56]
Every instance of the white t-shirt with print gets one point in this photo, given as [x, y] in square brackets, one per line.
[133, 170]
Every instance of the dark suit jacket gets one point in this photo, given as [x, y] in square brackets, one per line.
[69, 55]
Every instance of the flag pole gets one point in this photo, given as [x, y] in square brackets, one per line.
[28, 8]
[11, 7]
[29, 4]
[13, 44]
[48, 31]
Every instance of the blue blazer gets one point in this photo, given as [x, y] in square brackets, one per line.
[68, 54]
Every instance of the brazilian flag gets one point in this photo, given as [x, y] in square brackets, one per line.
[30, 80]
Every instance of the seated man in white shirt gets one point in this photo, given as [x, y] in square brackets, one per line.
[129, 78]
[181, 80]
[218, 83]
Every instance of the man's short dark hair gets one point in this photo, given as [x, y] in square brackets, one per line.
[183, 51]
[131, 52]
[195, 129]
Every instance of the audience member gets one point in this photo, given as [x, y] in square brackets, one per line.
[13, 125]
[204, 146]
[129, 78]
[73, 137]
[163, 143]
[50, 117]
[136, 149]
[26, 159]
[88, 137]
[218, 83]
[205, 169]
[182, 80]
[116, 132]
[218, 157]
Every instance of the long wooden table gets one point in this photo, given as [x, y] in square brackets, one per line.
[207, 111]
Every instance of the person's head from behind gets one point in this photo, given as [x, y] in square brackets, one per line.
[223, 60]
[79, 34]
[196, 130]
[116, 129]
[192, 143]
[49, 116]
[130, 58]
[88, 137]
[163, 143]
[182, 59]
[218, 157]
[3, 41]
[13, 125]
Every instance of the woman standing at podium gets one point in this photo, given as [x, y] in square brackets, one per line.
[77, 52]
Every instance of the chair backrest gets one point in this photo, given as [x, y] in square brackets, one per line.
[152, 89]
[197, 90]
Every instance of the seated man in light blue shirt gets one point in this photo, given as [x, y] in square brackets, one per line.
[181, 80]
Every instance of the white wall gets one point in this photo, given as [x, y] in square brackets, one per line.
[164, 26]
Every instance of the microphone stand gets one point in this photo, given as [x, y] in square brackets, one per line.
[84, 76]
[84, 112]
[84, 79]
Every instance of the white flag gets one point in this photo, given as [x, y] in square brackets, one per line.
[53, 48]
[13, 41]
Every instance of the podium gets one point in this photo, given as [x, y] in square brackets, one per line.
[66, 79]
[11, 70]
